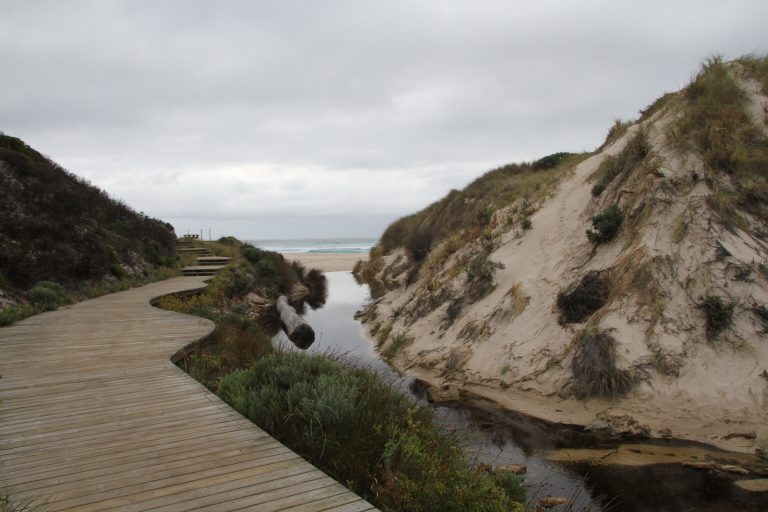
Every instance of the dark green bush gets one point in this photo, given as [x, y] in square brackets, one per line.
[419, 244]
[325, 411]
[606, 225]
[584, 297]
[117, 270]
[527, 224]
[551, 161]
[2, 281]
[719, 315]
[595, 374]
[253, 254]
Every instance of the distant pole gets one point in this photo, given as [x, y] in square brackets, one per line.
[201, 234]
[209, 235]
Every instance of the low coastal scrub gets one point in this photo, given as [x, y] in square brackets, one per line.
[355, 427]
[595, 374]
[56, 226]
[584, 297]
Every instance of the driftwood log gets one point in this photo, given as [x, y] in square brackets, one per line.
[299, 332]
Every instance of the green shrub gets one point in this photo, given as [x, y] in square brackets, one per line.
[584, 297]
[253, 254]
[2, 281]
[719, 315]
[527, 224]
[325, 411]
[47, 294]
[594, 367]
[606, 225]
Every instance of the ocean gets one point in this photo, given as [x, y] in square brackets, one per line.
[317, 245]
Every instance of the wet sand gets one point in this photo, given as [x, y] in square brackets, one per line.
[327, 262]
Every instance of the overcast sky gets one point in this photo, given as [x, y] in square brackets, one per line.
[289, 119]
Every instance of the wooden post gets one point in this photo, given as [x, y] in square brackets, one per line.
[299, 332]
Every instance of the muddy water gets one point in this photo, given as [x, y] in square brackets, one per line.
[596, 474]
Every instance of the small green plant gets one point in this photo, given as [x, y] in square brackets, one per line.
[527, 224]
[2, 281]
[666, 363]
[584, 297]
[605, 225]
[718, 313]
[595, 374]
[398, 343]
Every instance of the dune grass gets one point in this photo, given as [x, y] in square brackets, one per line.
[715, 123]
[595, 374]
[471, 209]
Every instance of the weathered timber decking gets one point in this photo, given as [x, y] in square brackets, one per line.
[94, 416]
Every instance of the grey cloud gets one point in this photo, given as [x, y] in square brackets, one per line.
[368, 108]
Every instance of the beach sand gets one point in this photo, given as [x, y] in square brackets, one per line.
[328, 262]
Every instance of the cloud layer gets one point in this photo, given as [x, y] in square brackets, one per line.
[293, 119]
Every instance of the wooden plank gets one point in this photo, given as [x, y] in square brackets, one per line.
[94, 416]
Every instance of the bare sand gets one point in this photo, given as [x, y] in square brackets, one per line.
[328, 262]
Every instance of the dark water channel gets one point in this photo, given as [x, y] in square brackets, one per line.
[496, 437]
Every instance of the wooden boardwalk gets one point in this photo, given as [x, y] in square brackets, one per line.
[94, 416]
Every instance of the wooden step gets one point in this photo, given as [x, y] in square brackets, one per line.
[201, 270]
[202, 251]
[213, 260]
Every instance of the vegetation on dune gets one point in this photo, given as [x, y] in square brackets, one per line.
[715, 123]
[718, 313]
[584, 297]
[635, 151]
[326, 411]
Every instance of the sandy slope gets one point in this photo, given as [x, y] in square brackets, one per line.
[523, 363]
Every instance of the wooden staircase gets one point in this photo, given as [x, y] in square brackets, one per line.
[207, 263]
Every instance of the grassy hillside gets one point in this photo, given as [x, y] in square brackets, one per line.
[56, 226]
[471, 208]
